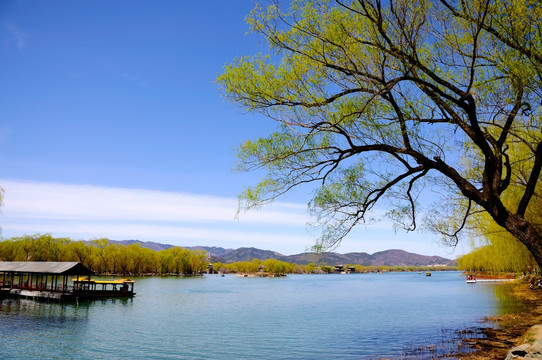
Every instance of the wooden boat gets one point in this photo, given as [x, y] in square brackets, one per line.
[88, 288]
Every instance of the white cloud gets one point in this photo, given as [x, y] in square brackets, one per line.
[92, 203]
[170, 234]
[88, 211]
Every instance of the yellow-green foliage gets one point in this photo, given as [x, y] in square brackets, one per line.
[103, 256]
[502, 255]
[271, 266]
[274, 266]
[499, 251]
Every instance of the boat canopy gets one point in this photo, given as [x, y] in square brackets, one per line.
[118, 281]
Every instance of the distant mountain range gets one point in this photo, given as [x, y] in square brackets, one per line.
[382, 258]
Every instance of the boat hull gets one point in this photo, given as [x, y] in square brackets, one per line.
[62, 297]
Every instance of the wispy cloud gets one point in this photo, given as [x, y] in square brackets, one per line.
[184, 219]
[14, 36]
[88, 211]
[171, 234]
[88, 202]
[5, 133]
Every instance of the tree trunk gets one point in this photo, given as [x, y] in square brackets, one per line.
[525, 232]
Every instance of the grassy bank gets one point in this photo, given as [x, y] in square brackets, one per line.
[511, 329]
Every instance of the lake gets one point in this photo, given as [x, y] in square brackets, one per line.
[353, 316]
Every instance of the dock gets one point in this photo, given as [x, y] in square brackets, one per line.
[58, 281]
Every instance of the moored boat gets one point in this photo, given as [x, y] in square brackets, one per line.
[88, 288]
[52, 281]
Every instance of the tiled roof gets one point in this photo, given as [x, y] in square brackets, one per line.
[41, 267]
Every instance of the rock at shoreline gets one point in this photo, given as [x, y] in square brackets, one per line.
[536, 350]
[519, 352]
[527, 350]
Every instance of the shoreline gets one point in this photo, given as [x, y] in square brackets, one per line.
[511, 329]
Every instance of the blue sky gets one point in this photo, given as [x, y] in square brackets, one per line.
[112, 125]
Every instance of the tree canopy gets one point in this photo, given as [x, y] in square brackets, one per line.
[410, 104]
[495, 249]
[104, 256]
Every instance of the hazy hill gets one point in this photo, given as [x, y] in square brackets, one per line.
[388, 257]
[148, 244]
[403, 258]
[331, 258]
[214, 252]
[247, 254]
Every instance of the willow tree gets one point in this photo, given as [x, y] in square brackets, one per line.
[495, 248]
[381, 103]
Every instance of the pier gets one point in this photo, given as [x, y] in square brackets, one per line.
[57, 281]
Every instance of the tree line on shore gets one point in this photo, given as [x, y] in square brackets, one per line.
[106, 257]
[103, 256]
[499, 256]
[274, 266]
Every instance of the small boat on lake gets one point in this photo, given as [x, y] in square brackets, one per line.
[471, 279]
[87, 288]
[428, 273]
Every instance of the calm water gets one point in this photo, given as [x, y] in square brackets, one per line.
[356, 316]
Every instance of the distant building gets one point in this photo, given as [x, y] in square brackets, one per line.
[211, 269]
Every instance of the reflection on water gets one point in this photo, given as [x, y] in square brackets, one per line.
[53, 311]
[29, 310]
[507, 303]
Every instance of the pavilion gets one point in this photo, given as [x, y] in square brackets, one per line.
[42, 280]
